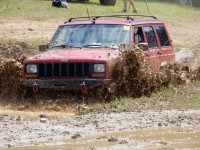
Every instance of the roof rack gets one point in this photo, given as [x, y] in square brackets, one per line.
[93, 18]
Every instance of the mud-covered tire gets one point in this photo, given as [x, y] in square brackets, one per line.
[108, 2]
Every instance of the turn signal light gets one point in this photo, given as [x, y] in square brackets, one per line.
[98, 75]
[31, 75]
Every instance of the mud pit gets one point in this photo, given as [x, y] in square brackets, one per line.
[147, 129]
[113, 128]
[131, 73]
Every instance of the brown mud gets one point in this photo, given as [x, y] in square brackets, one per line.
[46, 120]
[46, 127]
[131, 73]
[108, 130]
[135, 78]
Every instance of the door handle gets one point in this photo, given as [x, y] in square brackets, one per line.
[160, 53]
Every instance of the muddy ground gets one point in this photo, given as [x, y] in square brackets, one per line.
[49, 121]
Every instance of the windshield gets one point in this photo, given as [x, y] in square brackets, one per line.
[92, 35]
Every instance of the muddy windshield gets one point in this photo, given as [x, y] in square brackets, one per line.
[92, 35]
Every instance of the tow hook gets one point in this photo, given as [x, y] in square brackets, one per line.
[83, 87]
[35, 87]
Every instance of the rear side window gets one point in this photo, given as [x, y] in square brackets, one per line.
[162, 35]
[150, 37]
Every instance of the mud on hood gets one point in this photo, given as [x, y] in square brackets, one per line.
[78, 54]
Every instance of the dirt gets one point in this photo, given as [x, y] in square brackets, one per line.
[97, 127]
[48, 118]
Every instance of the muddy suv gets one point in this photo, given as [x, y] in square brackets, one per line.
[81, 51]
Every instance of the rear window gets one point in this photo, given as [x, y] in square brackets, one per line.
[162, 35]
[150, 37]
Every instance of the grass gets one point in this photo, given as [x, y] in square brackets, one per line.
[42, 10]
[194, 99]
[115, 103]
[180, 97]
[164, 92]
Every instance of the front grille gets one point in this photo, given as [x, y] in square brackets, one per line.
[64, 70]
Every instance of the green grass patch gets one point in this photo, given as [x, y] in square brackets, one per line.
[97, 107]
[42, 10]
[115, 103]
[195, 99]
[165, 92]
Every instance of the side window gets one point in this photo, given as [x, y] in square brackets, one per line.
[150, 37]
[138, 35]
[164, 40]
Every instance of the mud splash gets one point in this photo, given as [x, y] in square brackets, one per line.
[133, 76]
[147, 129]
[131, 73]
[12, 56]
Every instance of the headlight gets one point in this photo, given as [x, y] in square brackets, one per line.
[99, 68]
[31, 68]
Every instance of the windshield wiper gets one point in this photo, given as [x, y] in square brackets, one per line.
[62, 46]
[112, 46]
[100, 46]
[92, 45]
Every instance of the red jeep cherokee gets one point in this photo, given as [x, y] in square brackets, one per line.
[80, 52]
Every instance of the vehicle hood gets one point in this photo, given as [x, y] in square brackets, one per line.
[78, 54]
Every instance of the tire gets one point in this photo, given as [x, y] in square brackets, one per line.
[183, 2]
[112, 2]
[108, 2]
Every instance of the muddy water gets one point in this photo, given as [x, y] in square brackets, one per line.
[30, 114]
[149, 139]
[107, 130]
[114, 130]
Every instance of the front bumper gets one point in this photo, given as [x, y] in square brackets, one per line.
[66, 84]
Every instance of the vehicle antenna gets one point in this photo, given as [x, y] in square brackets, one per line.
[147, 6]
[87, 10]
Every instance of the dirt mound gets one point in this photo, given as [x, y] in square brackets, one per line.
[131, 73]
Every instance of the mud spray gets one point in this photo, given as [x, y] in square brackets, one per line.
[134, 77]
[131, 73]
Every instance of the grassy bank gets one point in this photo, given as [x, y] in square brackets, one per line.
[180, 97]
[42, 9]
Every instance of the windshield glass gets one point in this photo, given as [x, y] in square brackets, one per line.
[92, 35]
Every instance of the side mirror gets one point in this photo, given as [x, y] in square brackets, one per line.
[143, 46]
[43, 47]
